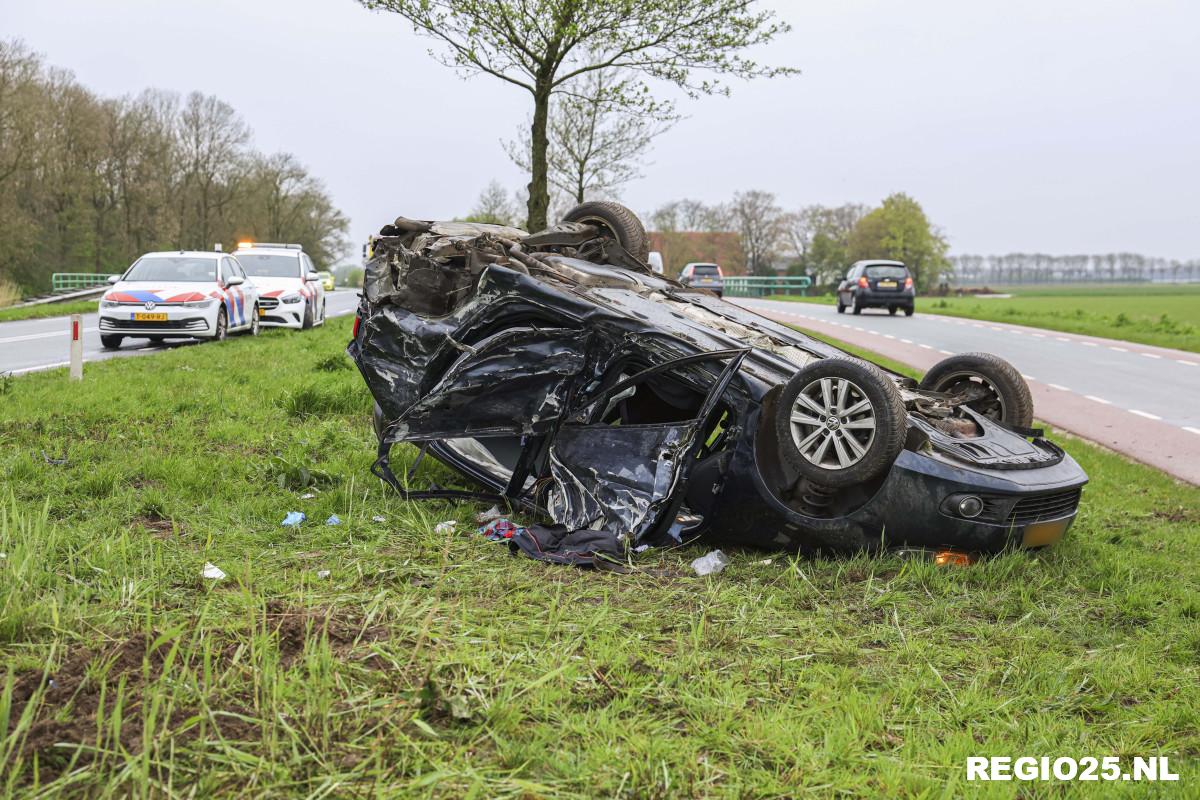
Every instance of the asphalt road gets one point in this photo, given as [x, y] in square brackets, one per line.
[1139, 400]
[38, 344]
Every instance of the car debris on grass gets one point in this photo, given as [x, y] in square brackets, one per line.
[560, 374]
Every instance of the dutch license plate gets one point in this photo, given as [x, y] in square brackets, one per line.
[1040, 534]
[146, 317]
[887, 284]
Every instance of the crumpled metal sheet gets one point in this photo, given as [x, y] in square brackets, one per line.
[515, 382]
[614, 477]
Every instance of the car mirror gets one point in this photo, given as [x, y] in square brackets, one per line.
[234, 280]
[113, 279]
[312, 276]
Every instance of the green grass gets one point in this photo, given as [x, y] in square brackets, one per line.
[435, 664]
[1166, 316]
[48, 310]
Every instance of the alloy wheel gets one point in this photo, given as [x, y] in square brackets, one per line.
[833, 423]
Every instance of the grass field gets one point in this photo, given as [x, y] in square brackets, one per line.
[48, 310]
[1166, 316]
[436, 664]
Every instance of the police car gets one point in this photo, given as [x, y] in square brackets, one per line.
[197, 294]
[290, 291]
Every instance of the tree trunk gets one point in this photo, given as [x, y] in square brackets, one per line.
[539, 190]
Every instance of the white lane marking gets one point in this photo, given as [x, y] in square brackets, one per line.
[907, 341]
[977, 325]
[1062, 338]
[995, 327]
[1149, 355]
[51, 335]
[874, 333]
[1016, 333]
[927, 347]
[1191, 430]
[888, 336]
[1118, 349]
[1186, 363]
[1144, 414]
[1038, 335]
[1097, 399]
[1060, 387]
[946, 352]
[1089, 344]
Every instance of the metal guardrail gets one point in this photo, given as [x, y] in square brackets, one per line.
[762, 286]
[68, 281]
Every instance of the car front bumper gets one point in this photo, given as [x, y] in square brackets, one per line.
[180, 321]
[277, 314]
[1024, 507]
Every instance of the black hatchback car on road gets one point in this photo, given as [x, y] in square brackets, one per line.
[877, 284]
[557, 371]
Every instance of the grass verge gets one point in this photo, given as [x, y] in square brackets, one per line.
[48, 310]
[1166, 316]
[436, 664]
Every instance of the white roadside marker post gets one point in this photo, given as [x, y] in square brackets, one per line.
[76, 347]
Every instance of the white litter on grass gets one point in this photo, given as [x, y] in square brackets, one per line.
[378, 518]
[322, 574]
[307, 496]
[641, 548]
[445, 527]
[212, 572]
[766, 562]
[484, 517]
[711, 563]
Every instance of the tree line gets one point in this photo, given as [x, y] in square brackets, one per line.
[818, 241]
[88, 183]
[1033, 268]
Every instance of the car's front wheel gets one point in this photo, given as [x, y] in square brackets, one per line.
[840, 422]
[308, 315]
[111, 342]
[255, 323]
[986, 384]
[222, 330]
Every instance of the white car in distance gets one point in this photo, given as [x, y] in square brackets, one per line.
[185, 294]
[291, 293]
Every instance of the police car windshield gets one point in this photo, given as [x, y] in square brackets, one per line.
[264, 266]
[173, 268]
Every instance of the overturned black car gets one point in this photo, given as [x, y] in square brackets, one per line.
[557, 371]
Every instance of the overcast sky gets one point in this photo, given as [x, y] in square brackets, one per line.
[1060, 127]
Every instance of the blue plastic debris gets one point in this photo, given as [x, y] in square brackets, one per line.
[333, 520]
[294, 518]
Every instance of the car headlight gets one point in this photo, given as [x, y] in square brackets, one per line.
[290, 298]
[970, 506]
[109, 304]
[200, 303]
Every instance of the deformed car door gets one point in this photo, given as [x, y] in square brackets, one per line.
[516, 381]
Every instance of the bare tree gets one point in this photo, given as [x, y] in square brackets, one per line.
[596, 139]
[493, 206]
[541, 46]
[759, 222]
[211, 138]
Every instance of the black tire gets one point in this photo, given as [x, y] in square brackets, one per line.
[908, 311]
[622, 223]
[855, 308]
[255, 322]
[111, 342]
[222, 331]
[1007, 399]
[307, 322]
[892, 311]
[841, 308]
[826, 442]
